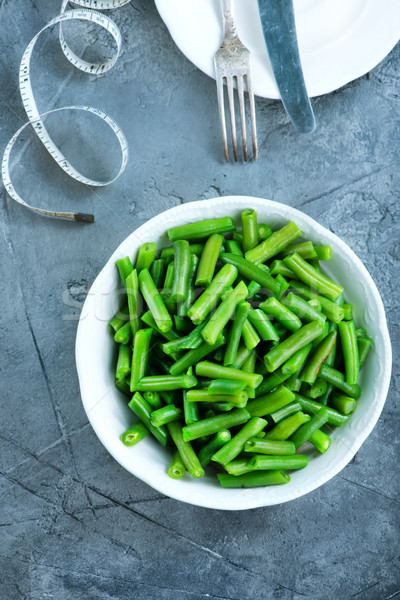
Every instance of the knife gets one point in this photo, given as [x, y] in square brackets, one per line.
[279, 29]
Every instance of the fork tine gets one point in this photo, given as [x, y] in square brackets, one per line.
[242, 114]
[252, 115]
[221, 108]
[231, 102]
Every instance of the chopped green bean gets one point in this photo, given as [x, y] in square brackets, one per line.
[140, 356]
[251, 271]
[237, 416]
[235, 333]
[215, 371]
[165, 414]
[323, 252]
[288, 426]
[253, 479]
[320, 440]
[310, 276]
[348, 338]
[304, 310]
[125, 267]
[124, 334]
[333, 311]
[145, 257]
[119, 319]
[305, 249]
[318, 357]
[209, 298]
[297, 360]
[176, 469]
[274, 244]
[143, 411]
[249, 229]
[364, 345]
[265, 405]
[192, 357]
[263, 325]
[286, 411]
[213, 445]
[261, 462]
[285, 349]
[337, 379]
[201, 229]
[208, 260]
[224, 313]
[188, 455]
[312, 407]
[134, 434]
[303, 434]
[235, 446]
[154, 301]
[124, 361]
[278, 447]
[225, 387]
[157, 272]
[342, 403]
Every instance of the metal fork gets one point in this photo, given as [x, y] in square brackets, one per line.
[232, 61]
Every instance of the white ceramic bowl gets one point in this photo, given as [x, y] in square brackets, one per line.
[107, 409]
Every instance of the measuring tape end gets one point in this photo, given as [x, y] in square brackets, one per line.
[84, 218]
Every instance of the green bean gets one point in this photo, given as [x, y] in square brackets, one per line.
[125, 267]
[233, 247]
[286, 411]
[169, 279]
[310, 276]
[252, 289]
[284, 315]
[156, 383]
[242, 355]
[265, 405]
[140, 355]
[123, 361]
[192, 357]
[348, 311]
[361, 332]
[123, 386]
[214, 444]
[277, 447]
[134, 434]
[237, 416]
[251, 271]
[119, 319]
[274, 244]
[157, 272]
[264, 231]
[190, 410]
[249, 229]
[168, 253]
[224, 313]
[312, 407]
[204, 396]
[303, 434]
[201, 229]
[323, 252]
[337, 379]
[348, 338]
[209, 298]
[182, 270]
[305, 249]
[176, 469]
[253, 479]
[285, 349]
[194, 339]
[235, 333]
[318, 357]
[250, 335]
[133, 295]
[297, 360]
[364, 345]
[225, 387]
[235, 446]
[154, 301]
[145, 256]
[342, 403]
[165, 414]
[287, 427]
[238, 467]
[271, 382]
[208, 260]
[320, 440]
[263, 463]
[330, 309]
[188, 455]
[278, 267]
[249, 366]
[263, 325]
[143, 411]
[153, 400]
[183, 307]
[318, 388]
[303, 309]
[293, 382]
[124, 334]
[215, 371]
[148, 319]
[174, 346]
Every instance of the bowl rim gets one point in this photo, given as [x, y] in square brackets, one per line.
[237, 202]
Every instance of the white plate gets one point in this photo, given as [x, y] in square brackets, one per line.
[339, 40]
[107, 408]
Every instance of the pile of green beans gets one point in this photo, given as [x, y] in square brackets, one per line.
[235, 351]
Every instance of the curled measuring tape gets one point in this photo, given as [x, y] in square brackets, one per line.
[86, 12]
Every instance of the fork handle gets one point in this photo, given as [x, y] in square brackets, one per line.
[228, 18]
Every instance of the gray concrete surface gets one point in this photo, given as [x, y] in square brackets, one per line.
[73, 524]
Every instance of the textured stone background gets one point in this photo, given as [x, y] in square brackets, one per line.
[73, 524]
